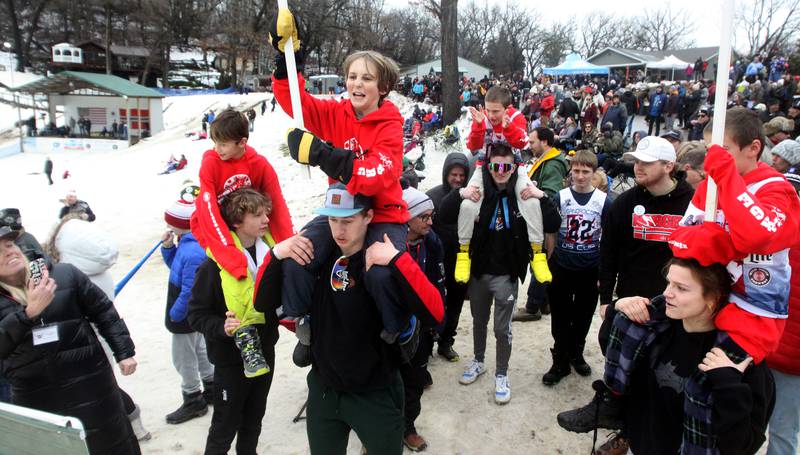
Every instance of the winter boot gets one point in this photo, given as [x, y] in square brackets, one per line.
[522, 315]
[249, 343]
[579, 363]
[208, 392]
[559, 370]
[136, 424]
[541, 271]
[301, 356]
[194, 405]
[463, 264]
[447, 351]
[604, 411]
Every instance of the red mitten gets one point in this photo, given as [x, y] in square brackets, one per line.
[717, 161]
[707, 243]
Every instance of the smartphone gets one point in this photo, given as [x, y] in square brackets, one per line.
[37, 267]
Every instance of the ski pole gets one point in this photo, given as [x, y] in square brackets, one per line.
[294, 84]
[133, 271]
[720, 101]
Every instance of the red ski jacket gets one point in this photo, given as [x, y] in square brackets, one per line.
[376, 139]
[218, 179]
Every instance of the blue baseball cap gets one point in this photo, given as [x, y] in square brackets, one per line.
[341, 204]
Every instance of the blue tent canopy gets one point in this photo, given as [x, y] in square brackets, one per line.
[574, 64]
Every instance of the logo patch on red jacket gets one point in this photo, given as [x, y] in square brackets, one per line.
[234, 183]
[654, 227]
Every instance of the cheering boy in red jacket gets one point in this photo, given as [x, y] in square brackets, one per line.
[358, 142]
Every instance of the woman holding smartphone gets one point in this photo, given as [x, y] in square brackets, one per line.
[50, 354]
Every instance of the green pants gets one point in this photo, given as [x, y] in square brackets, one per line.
[375, 416]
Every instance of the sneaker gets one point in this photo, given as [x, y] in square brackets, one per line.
[604, 411]
[471, 373]
[249, 343]
[502, 389]
[415, 442]
[447, 351]
[522, 315]
[540, 269]
[463, 267]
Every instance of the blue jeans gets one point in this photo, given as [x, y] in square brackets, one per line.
[785, 422]
[629, 125]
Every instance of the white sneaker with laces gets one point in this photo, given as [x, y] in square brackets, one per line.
[471, 373]
[502, 389]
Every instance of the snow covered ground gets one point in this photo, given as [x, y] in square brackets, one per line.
[129, 199]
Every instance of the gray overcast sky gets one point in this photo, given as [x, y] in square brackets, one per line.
[707, 13]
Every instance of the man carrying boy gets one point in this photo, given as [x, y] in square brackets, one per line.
[499, 123]
[239, 398]
[234, 165]
[574, 263]
[188, 347]
[354, 382]
[359, 143]
[501, 254]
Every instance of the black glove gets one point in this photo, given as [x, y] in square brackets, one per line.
[305, 148]
[280, 63]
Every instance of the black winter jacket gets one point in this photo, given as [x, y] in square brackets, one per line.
[70, 376]
[348, 353]
[207, 315]
[633, 249]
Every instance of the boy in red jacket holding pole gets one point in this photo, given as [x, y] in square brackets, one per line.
[759, 208]
[359, 143]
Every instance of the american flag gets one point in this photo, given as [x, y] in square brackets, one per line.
[96, 114]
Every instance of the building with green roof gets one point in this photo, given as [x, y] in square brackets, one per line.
[104, 100]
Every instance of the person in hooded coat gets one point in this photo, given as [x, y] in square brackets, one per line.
[455, 173]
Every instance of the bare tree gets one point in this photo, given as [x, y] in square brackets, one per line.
[661, 28]
[598, 30]
[447, 13]
[23, 24]
[770, 25]
[550, 46]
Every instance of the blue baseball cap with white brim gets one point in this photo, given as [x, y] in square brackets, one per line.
[341, 204]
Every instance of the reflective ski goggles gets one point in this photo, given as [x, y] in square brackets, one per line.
[500, 167]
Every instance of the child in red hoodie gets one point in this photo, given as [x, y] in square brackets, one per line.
[232, 165]
[358, 142]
